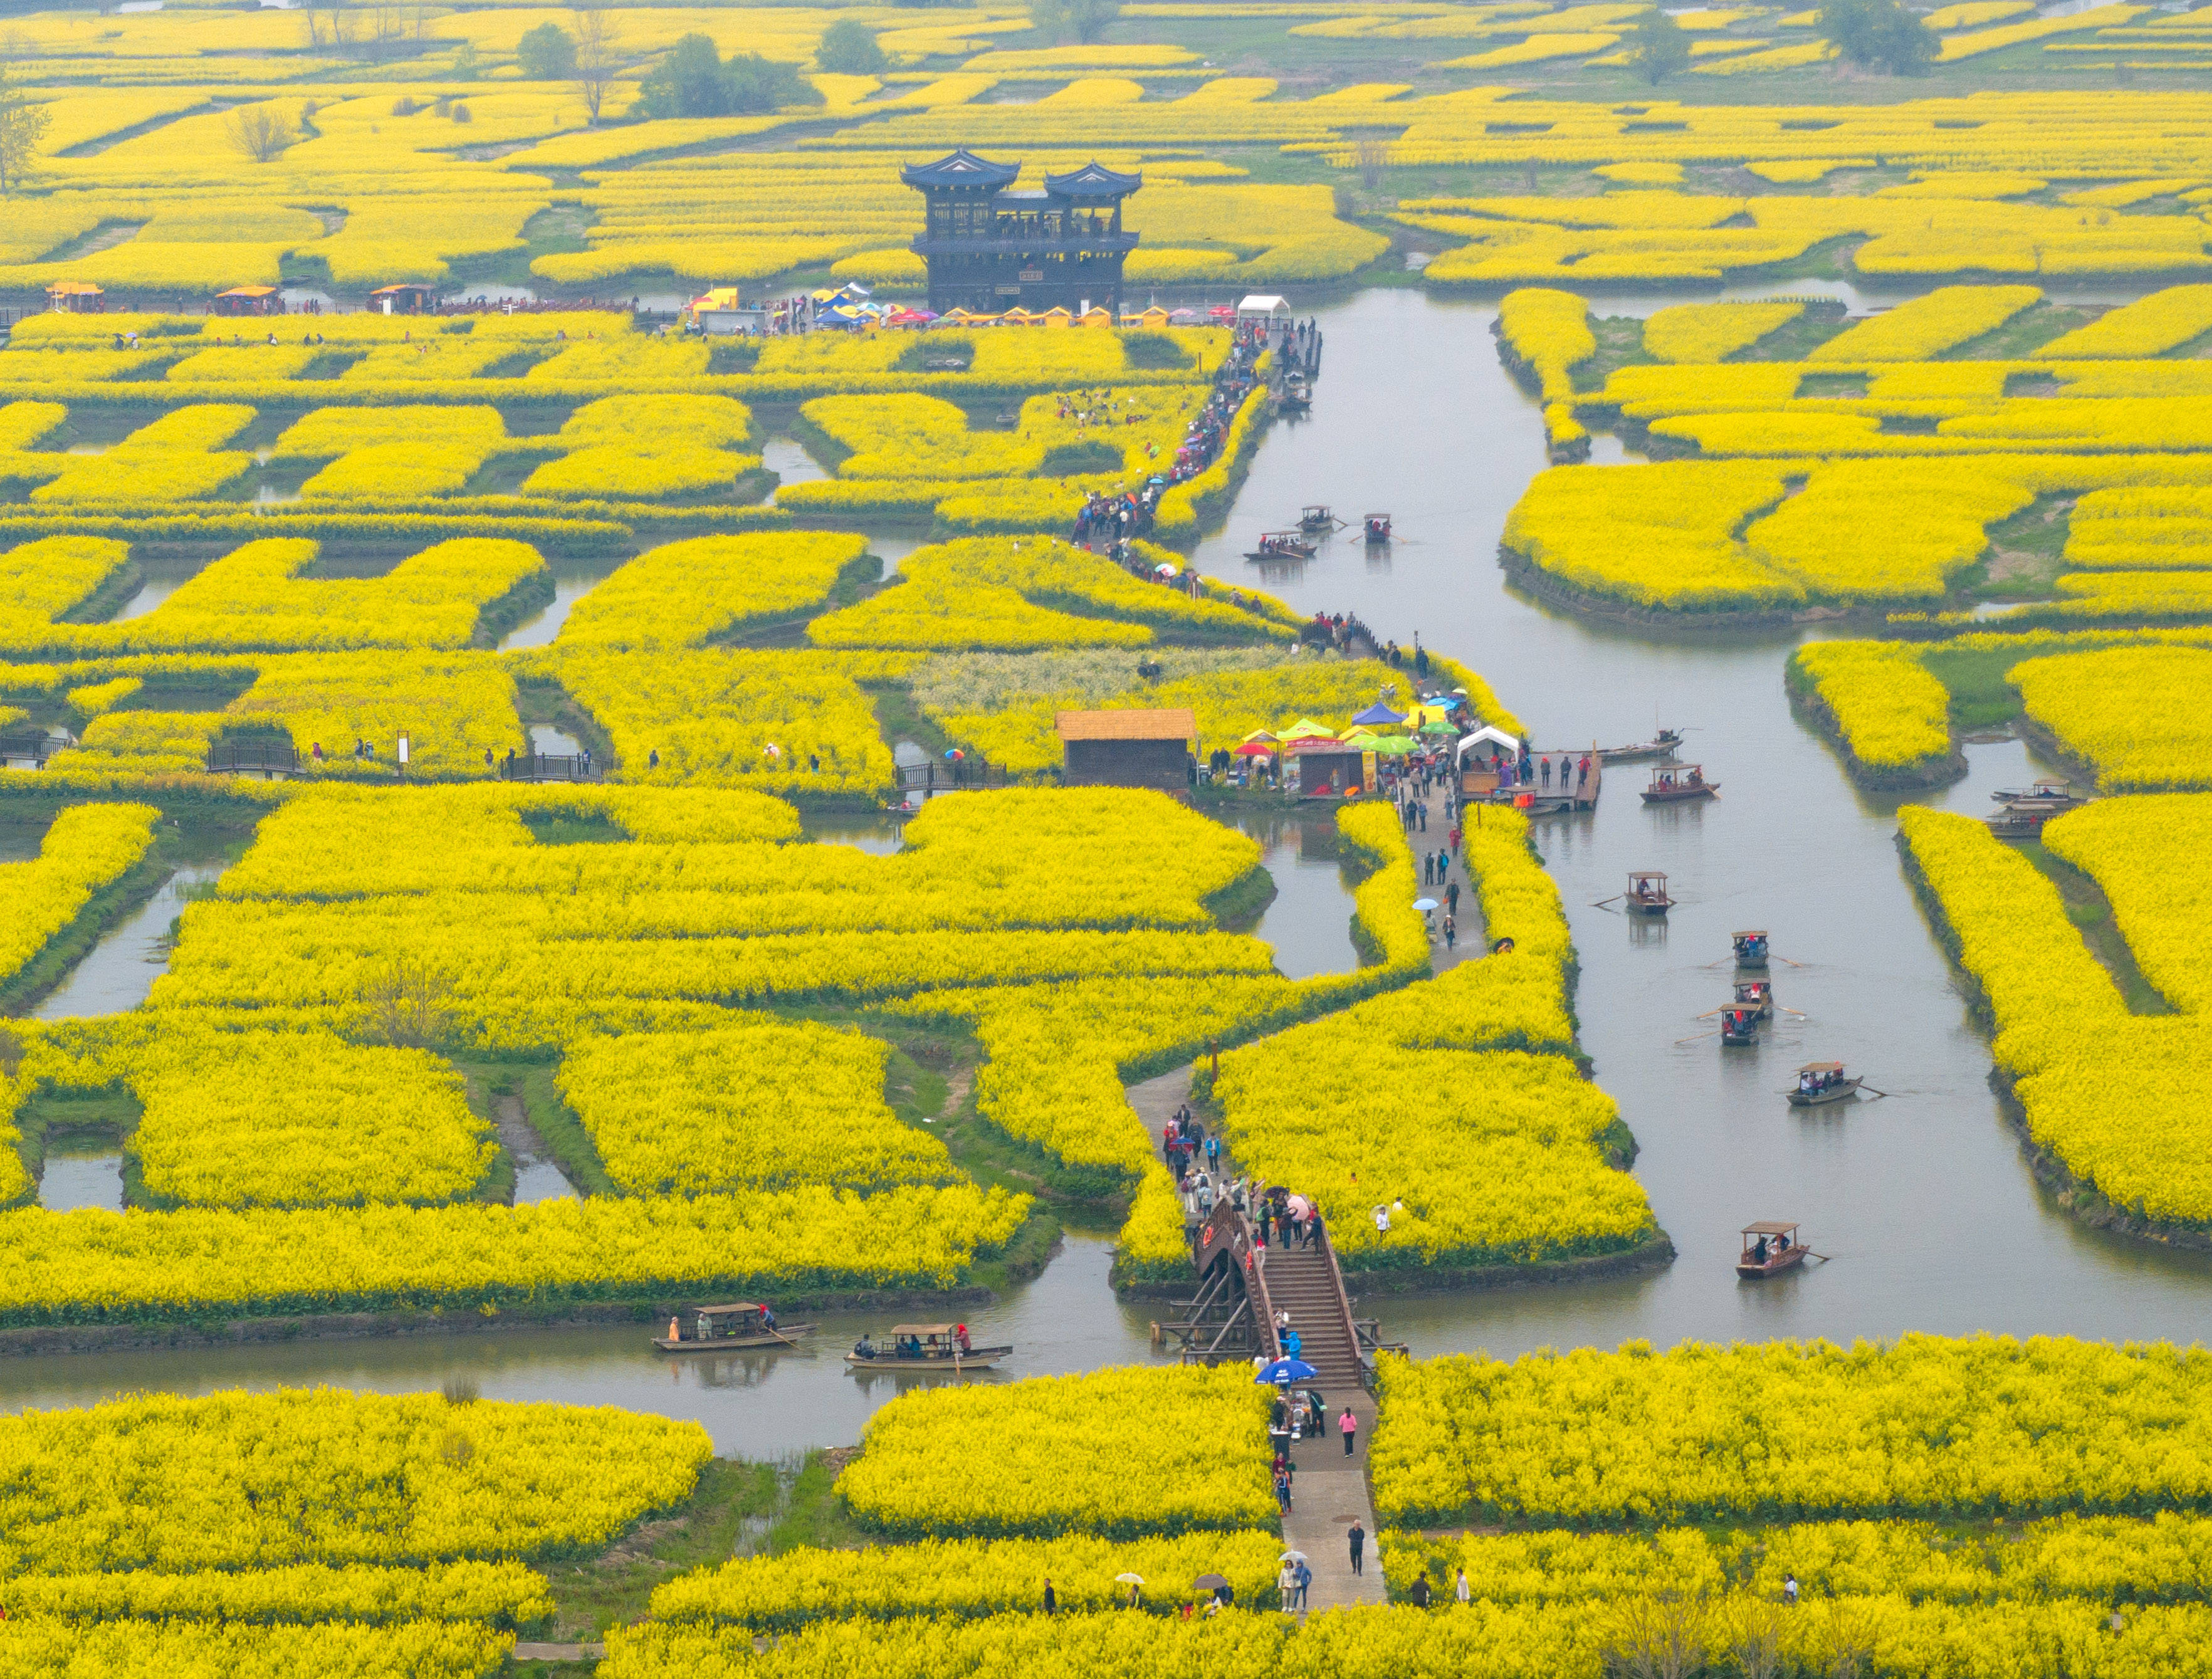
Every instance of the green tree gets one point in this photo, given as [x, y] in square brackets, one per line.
[1880, 35]
[688, 82]
[547, 53]
[1081, 20]
[1658, 47]
[849, 47]
[755, 83]
[692, 81]
[22, 126]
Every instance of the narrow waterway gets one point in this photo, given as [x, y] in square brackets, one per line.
[1308, 923]
[1932, 1217]
[1934, 1221]
[118, 971]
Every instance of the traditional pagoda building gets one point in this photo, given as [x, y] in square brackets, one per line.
[991, 249]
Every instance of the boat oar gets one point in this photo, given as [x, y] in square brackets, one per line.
[1700, 1038]
[1615, 899]
[1824, 1258]
[1870, 1090]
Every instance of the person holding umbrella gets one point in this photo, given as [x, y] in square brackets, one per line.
[1136, 1585]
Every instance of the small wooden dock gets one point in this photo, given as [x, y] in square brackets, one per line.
[1545, 799]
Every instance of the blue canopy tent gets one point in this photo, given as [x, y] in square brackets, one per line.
[1379, 713]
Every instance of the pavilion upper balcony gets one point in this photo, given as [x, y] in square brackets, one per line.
[1088, 244]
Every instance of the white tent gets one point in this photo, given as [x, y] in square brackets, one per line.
[1256, 307]
[1468, 742]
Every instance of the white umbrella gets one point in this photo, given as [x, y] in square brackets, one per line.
[1130, 1579]
[1166, 569]
[1291, 1556]
[1425, 903]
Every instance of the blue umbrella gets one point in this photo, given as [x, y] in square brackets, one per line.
[1285, 1370]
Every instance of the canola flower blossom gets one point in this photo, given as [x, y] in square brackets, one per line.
[1926, 1426]
[1023, 1459]
[297, 1476]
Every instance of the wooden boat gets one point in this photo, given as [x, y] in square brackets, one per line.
[1293, 397]
[1822, 1081]
[1376, 528]
[2050, 791]
[1739, 1025]
[2018, 821]
[1673, 786]
[1647, 893]
[1750, 948]
[1769, 1246]
[1661, 745]
[1758, 995]
[914, 1348]
[1317, 517]
[729, 1328]
[1281, 545]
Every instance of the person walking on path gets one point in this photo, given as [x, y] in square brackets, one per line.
[1287, 1584]
[1452, 840]
[1451, 899]
[1345, 1426]
[1357, 1539]
[1304, 1578]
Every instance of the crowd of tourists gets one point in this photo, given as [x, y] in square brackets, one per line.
[1107, 519]
[1297, 345]
[1526, 769]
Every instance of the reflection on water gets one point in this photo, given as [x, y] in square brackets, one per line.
[894, 551]
[130, 957]
[549, 742]
[759, 1403]
[883, 835]
[540, 1180]
[539, 630]
[151, 593]
[1309, 923]
[71, 1181]
[790, 462]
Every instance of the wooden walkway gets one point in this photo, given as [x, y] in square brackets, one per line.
[1330, 1490]
[1468, 924]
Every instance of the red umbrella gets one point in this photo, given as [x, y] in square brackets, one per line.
[1253, 749]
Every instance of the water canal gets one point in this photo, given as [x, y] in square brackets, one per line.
[1934, 1220]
